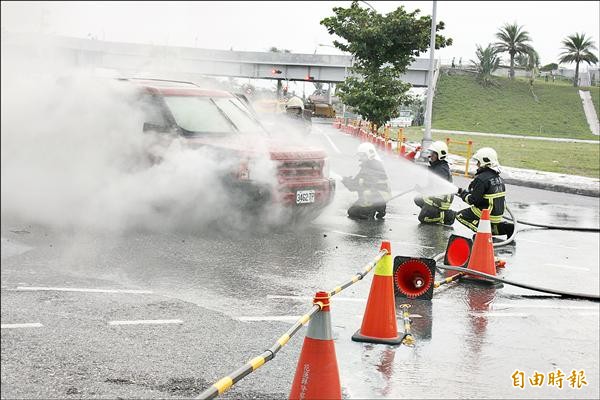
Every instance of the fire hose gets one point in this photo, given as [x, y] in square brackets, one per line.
[567, 295]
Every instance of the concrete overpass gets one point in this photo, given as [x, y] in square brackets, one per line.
[188, 63]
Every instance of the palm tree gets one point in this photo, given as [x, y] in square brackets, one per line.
[513, 39]
[578, 48]
[531, 63]
[487, 62]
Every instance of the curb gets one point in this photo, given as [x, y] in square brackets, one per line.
[591, 189]
[553, 187]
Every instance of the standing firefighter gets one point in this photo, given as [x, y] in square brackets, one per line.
[436, 209]
[485, 191]
[371, 183]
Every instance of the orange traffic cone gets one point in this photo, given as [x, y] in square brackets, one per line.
[317, 375]
[482, 253]
[379, 322]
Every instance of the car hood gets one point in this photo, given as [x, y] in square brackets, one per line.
[250, 145]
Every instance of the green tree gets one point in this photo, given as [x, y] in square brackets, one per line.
[549, 67]
[531, 62]
[382, 47]
[376, 97]
[513, 40]
[487, 62]
[577, 49]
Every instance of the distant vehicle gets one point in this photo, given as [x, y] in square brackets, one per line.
[291, 112]
[224, 122]
[322, 110]
[403, 120]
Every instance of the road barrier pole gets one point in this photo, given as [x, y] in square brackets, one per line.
[408, 339]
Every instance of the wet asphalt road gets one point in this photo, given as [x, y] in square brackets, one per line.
[224, 297]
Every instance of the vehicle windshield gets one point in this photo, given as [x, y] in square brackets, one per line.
[215, 115]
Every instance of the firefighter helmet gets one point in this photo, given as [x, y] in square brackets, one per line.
[366, 151]
[295, 102]
[486, 157]
[440, 148]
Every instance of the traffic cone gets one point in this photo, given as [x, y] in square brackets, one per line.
[379, 322]
[413, 277]
[317, 375]
[458, 251]
[482, 253]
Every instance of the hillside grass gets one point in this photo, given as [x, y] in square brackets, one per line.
[567, 158]
[508, 107]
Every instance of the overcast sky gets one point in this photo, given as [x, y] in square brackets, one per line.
[256, 26]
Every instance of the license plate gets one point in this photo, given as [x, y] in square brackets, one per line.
[305, 196]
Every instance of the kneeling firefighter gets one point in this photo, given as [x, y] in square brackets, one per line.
[487, 190]
[436, 209]
[371, 183]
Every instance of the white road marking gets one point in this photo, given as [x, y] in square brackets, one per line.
[284, 318]
[330, 141]
[59, 289]
[349, 234]
[146, 322]
[547, 244]
[28, 325]
[294, 318]
[568, 267]
[551, 306]
[497, 314]
[310, 298]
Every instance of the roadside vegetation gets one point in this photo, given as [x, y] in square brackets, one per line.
[566, 158]
[461, 103]
[374, 88]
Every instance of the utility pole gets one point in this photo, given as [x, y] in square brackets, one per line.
[427, 135]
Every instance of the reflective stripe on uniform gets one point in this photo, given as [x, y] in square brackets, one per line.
[493, 218]
[444, 205]
[494, 195]
[466, 223]
[435, 219]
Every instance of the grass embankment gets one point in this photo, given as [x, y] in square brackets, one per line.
[566, 158]
[461, 103]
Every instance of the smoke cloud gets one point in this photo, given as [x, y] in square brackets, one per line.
[73, 154]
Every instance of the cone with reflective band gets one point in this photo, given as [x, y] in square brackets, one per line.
[413, 277]
[317, 375]
[482, 253]
[379, 322]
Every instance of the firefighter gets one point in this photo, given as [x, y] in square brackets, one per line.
[485, 191]
[436, 209]
[371, 184]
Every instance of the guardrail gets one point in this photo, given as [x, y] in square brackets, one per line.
[467, 152]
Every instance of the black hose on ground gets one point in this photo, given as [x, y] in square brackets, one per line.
[566, 295]
[562, 228]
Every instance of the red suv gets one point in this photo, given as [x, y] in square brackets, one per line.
[228, 125]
